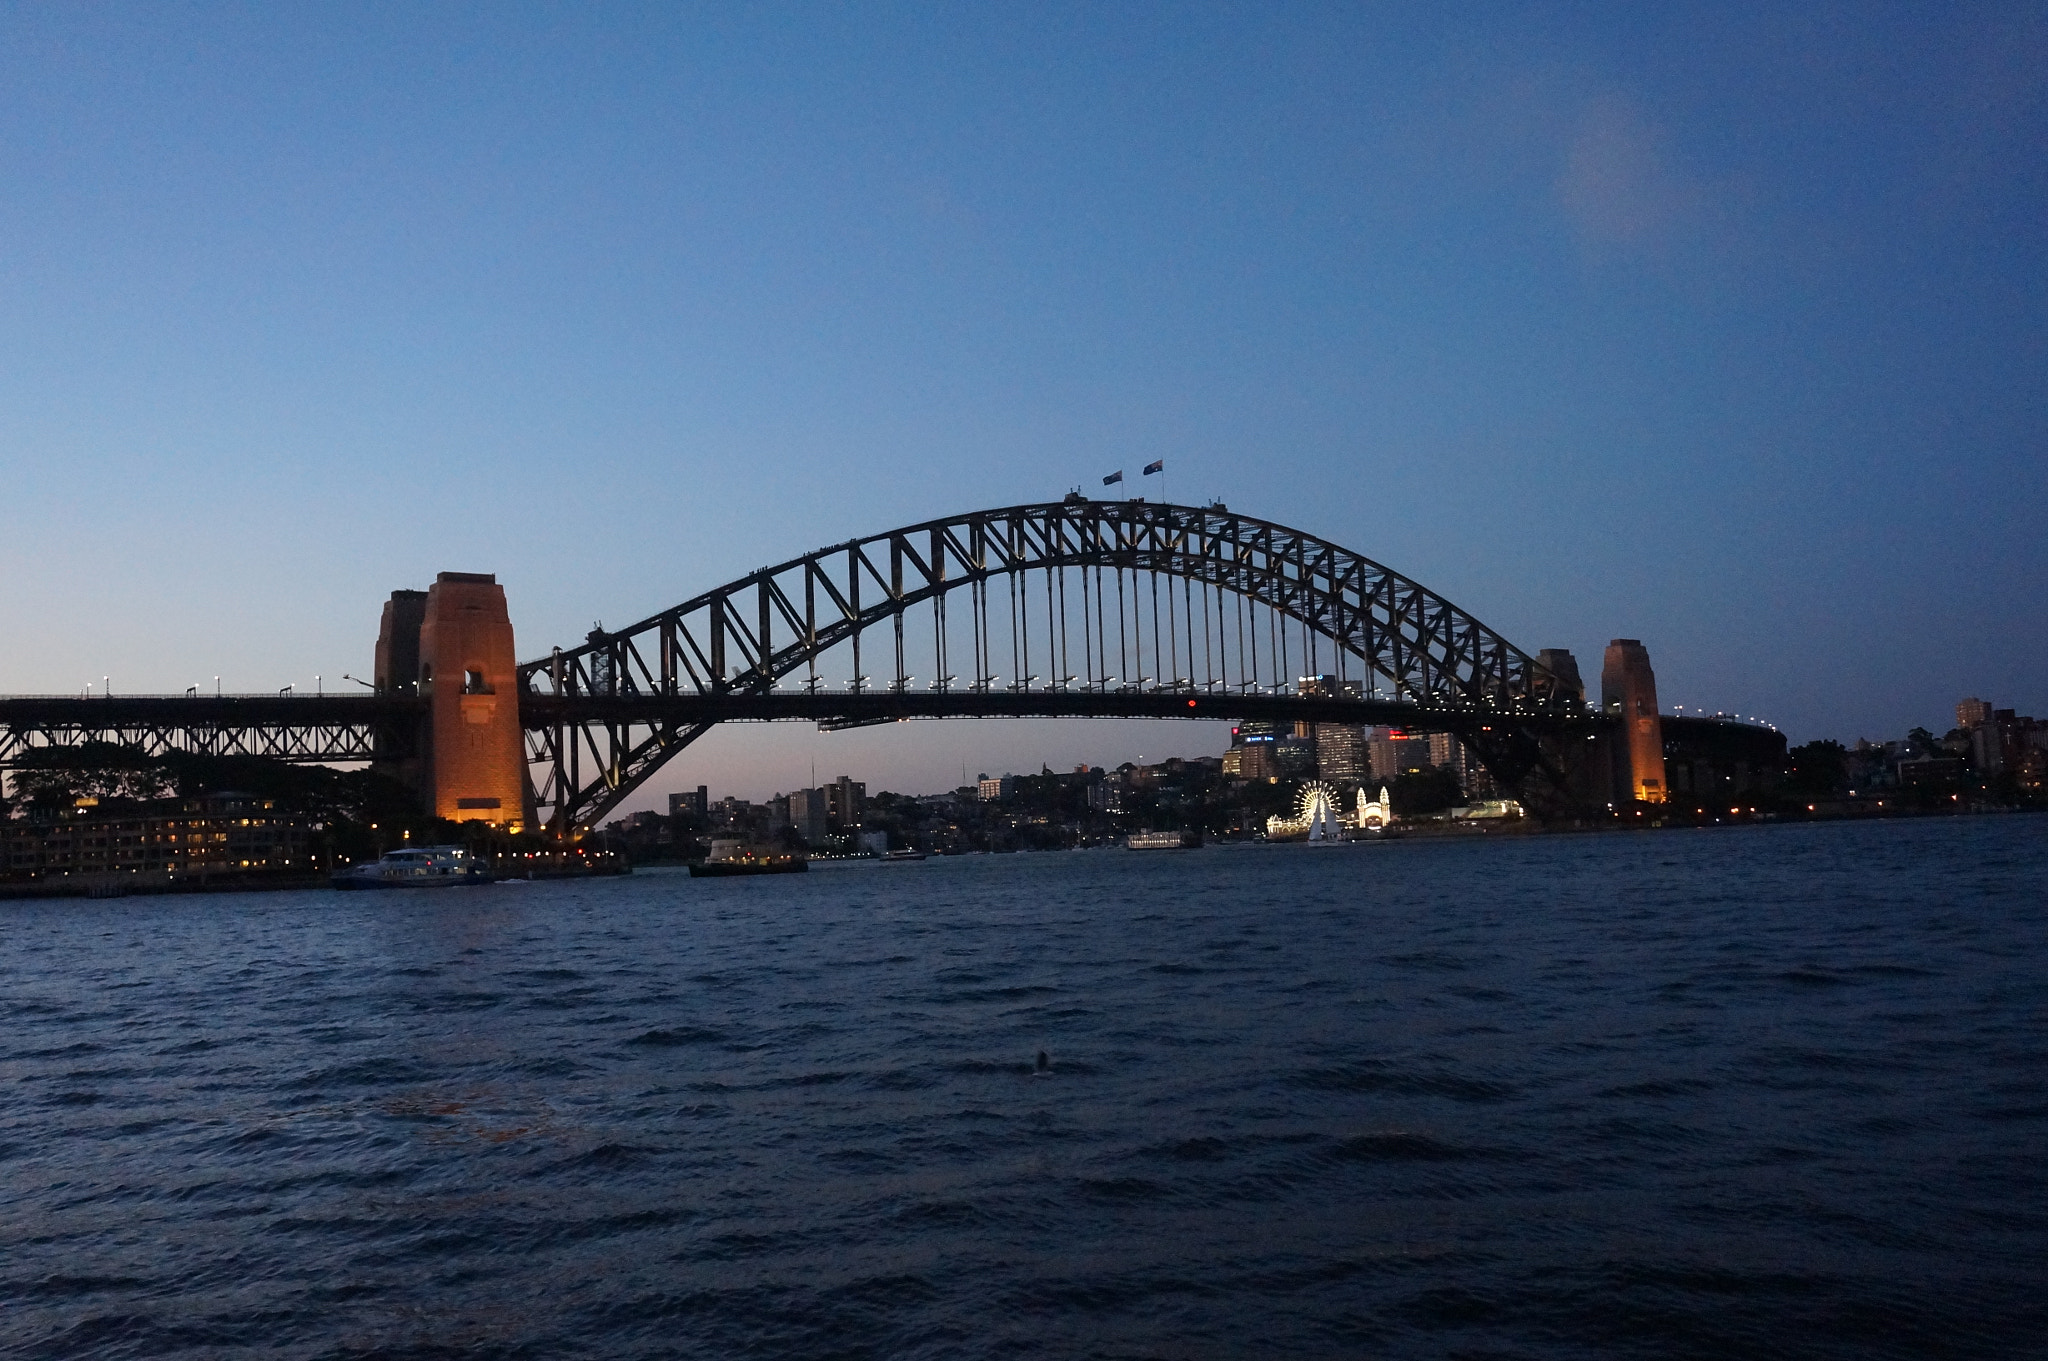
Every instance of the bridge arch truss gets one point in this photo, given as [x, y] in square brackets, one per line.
[1072, 607]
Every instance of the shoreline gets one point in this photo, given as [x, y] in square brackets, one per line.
[139, 886]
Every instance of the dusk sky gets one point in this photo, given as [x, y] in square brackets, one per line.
[1725, 332]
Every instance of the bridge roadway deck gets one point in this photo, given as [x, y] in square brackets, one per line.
[302, 728]
[217, 710]
[317, 728]
[838, 708]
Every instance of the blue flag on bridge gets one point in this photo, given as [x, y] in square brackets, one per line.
[1116, 476]
[1151, 468]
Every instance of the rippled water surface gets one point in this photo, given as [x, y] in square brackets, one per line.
[1683, 1094]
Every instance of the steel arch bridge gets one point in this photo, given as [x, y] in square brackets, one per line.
[1075, 608]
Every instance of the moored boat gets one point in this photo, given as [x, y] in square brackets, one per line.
[416, 867]
[1184, 840]
[730, 858]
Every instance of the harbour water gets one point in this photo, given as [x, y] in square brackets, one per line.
[1760, 1091]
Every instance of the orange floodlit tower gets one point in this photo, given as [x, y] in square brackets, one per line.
[1628, 688]
[474, 757]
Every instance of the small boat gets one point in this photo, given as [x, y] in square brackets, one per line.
[416, 867]
[1186, 840]
[904, 857]
[731, 858]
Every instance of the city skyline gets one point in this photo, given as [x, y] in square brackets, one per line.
[1710, 331]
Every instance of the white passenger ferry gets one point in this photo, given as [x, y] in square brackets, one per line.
[1186, 840]
[417, 867]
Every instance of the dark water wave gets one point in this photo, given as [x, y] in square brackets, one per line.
[1768, 1092]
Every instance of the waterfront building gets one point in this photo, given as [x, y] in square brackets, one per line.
[1933, 772]
[169, 840]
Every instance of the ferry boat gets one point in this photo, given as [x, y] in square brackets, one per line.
[729, 858]
[417, 867]
[903, 857]
[1186, 840]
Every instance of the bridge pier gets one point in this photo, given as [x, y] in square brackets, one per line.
[452, 645]
[400, 746]
[1619, 760]
[1628, 690]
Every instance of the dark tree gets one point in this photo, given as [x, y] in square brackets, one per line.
[1819, 768]
[1420, 792]
[60, 776]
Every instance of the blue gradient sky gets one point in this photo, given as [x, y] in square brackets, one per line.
[1723, 332]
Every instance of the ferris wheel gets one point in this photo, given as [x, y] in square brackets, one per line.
[1316, 815]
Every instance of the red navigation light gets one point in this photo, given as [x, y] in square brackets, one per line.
[1191, 704]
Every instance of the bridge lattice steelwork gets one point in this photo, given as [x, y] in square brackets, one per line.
[1073, 608]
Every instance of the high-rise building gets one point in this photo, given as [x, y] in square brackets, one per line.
[1972, 712]
[1337, 750]
[2004, 741]
[1254, 742]
[1341, 757]
[808, 816]
[845, 799]
[1446, 752]
[1295, 756]
[1258, 761]
[1394, 752]
[684, 803]
[1628, 689]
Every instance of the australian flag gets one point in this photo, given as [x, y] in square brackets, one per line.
[1151, 468]
[1116, 476]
